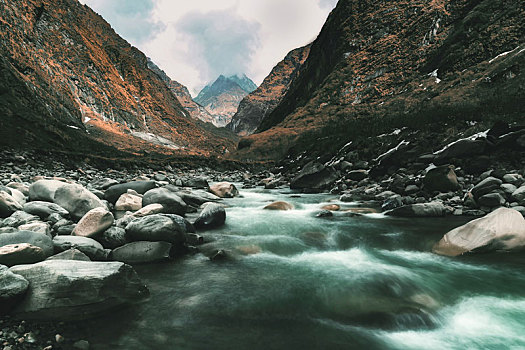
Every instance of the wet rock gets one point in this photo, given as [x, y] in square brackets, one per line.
[88, 246]
[197, 198]
[431, 209]
[12, 289]
[519, 195]
[314, 176]
[224, 190]
[8, 205]
[93, 223]
[20, 253]
[44, 209]
[142, 252]
[33, 238]
[113, 193]
[279, 205]
[128, 202]
[486, 186]
[44, 190]
[157, 227]
[442, 179]
[331, 207]
[70, 254]
[65, 289]
[347, 197]
[77, 200]
[213, 215]
[491, 200]
[172, 203]
[503, 229]
[392, 203]
[324, 214]
[113, 237]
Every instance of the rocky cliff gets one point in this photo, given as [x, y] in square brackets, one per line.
[221, 98]
[69, 82]
[261, 102]
[380, 65]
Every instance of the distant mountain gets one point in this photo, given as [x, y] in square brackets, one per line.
[182, 93]
[261, 102]
[69, 82]
[221, 99]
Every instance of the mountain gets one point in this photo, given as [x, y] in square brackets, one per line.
[182, 93]
[261, 102]
[380, 65]
[221, 98]
[69, 82]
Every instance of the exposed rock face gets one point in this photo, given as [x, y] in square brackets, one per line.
[261, 102]
[314, 176]
[72, 83]
[221, 99]
[503, 229]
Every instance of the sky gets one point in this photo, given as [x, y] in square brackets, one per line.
[195, 41]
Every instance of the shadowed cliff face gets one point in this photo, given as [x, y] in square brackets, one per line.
[261, 102]
[69, 81]
[383, 64]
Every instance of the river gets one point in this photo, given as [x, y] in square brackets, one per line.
[296, 281]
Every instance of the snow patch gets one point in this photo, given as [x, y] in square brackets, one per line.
[73, 127]
[434, 74]
[505, 54]
[479, 135]
[86, 119]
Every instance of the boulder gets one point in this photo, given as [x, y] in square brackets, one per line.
[44, 190]
[197, 198]
[70, 254]
[197, 182]
[67, 289]
[213, 215]
[486, 186]
[128, 202]
[157, 227]
[34, 238]
[88, 246]
[77, 200]
[357, 175]
[113, 193]
[224, 190]
[279, 205]
[491, 200]
[8, 205]
[314, 176]
[12, 289]
[142, 252]
[441, 178]
[102, 183]
[331, 207]
[149, 210]
[172, 203]
[23, 188]
[461, 149]
[503, 229]
[18, 196]
[19, 218]
[113, 237]
[93, 223]
[21, 253]
[37, 226]
[431, 209]
[508, 189]
[519, 195]
[44, 209]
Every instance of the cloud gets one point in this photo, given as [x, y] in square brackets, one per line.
[222, 42]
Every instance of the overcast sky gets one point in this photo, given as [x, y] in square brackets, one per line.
[194, 41]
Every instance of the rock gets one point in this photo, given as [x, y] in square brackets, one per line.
[361, 211]
[128, 202]
[34, 238]
[93, 223]
[8, 205]
[460, 149]
[392, 203]
[213, 215]
[411, 189]
[347, 197]
[197, 198]
[491, 200]
[103, 183]
[66, 289]
[157, 227]
[113, 193]
[12, 289]
[419, 210]
[486, 186]
[65, 230]
[331, 207]
[520, 209]
[88, 246]
[224, 190]
[81, 345]
[324, 214]
[44, 209]
[18, 196]
[519, 195]
[508, 188]
[37, 226]
[142, 252]
[514, 179]
[44, 190]
[442, 178]
[314, 176]
[19, 218]
[70, 254]
[279, 205]
[77, 200]
[149, 210]
[172, 203]
[21, 253]
[113, 237]
[197, 182]
[503, 229]
[24, 189]
[357, 175]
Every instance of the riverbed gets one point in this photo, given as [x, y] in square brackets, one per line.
[296, 281]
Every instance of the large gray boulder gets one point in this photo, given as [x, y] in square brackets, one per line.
[432, 209]
[19, 218]
[172, 203]
[20, 253]
[8, 205]
[77, 200]
[503, 229]
[113, 193]
[197, 197]
[491, 200]
[33, 238]
[519, 195]
[44, 190]
[441, 178]
[486, 186]
[128, 202]
[67, 289]
[44, 209]
[142, 252]
[213, 215]
[113, 237]
[94, 223]
[93, 249]
[314, 176]
[12, 289]
[70, 254]
[158, 227]
[224, 190]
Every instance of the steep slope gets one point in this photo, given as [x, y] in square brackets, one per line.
[68, 81]
[377, 65]
[221, 99]
[182, 93]
[261, 102]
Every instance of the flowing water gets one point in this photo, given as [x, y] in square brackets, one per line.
[300, 282]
